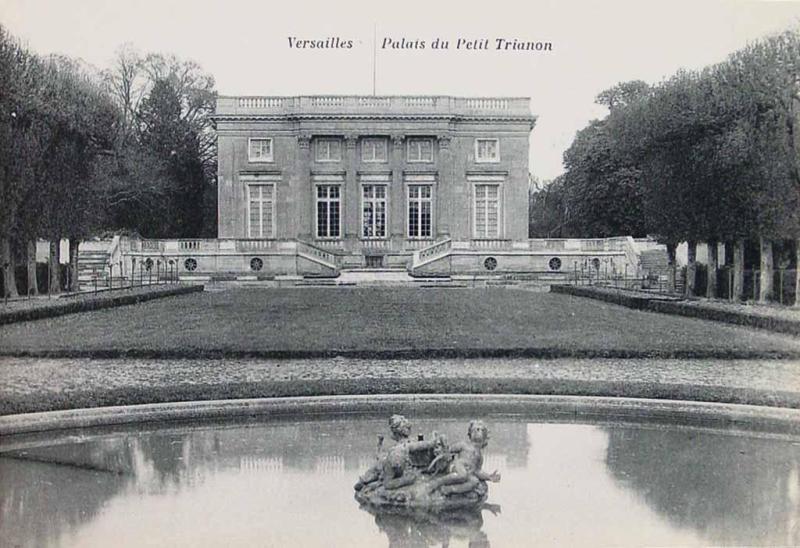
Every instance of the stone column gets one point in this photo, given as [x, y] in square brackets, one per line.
[711, 280]
[397, 194]
[302, 187]
[352, 197]
[691, 269]
[766, 285]
[738, 270]
[443, 189]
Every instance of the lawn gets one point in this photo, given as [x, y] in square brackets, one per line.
[308, 321]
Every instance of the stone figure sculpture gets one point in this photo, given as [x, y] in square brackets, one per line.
[427, 475]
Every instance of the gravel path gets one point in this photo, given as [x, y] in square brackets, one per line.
[46, 384]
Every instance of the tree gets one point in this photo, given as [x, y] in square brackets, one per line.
[61, 120]
[155, 187]
[547, 209]
[623, 94]
[602, 186]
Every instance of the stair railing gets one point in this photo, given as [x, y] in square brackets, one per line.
[320, 255]
[431, 253]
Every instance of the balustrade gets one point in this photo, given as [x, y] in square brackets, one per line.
[439, 104]
[491, 244]
[254, 245]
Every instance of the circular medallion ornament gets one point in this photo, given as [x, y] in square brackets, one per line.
[190, 264]
[256, 264]
[490, 263]
[148, 264]
[554, 264]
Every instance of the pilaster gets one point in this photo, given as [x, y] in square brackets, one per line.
[352, 198]
[443, 197]
[397, 198]
[303, 189]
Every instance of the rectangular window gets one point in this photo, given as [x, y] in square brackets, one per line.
[260, 211]
[420, 150]
[373, 211]
[487, 211]
[259, 150]
[328, 150]
[328, 211]
[373, 149]
[419, 211]
[487, 150]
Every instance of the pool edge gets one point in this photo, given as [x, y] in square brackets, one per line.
[717, 414]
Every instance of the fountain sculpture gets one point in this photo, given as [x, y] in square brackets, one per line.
[427, 475]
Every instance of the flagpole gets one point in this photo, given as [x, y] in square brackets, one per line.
[374, 55]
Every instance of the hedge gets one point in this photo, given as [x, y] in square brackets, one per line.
[64, 306]
[668, 306]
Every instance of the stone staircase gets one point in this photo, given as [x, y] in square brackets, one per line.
[92, 269]
[376, 277]
[654, 262]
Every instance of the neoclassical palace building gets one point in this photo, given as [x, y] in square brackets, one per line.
[312, 186]
[373, 178]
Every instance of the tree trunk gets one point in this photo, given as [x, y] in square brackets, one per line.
[73, 264]
[30, 260]
[738, 270]
[691, 269]
[766, 285]
[797, 273]
[55, 267]
[671, 249]
[8, 265]
[728, 252]
[711, 279]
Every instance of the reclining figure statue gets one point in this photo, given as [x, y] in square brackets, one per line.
[429, 475]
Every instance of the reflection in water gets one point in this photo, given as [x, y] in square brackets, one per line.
[290, 483]
[731, 489]
[420, 528]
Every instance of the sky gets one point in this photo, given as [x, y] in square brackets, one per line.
[245, 46]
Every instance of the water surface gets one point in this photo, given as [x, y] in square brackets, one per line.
[289, 483]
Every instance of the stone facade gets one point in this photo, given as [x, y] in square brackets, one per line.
[315, 186]
[372, 179]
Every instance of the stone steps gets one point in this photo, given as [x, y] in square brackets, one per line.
[93, 269]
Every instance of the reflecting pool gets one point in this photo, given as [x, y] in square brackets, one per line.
[289, 483]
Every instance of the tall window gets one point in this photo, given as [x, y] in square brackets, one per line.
[419, 211]
[487, 150]
[420, 150]
[487, 211]
[373, 149]
[261, 211]
[373, 211]
[328, 150]
[328, 211]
